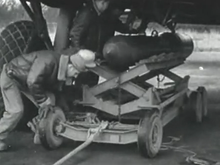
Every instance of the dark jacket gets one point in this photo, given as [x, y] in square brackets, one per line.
[36, 71]
[86, 30]
[91, 31]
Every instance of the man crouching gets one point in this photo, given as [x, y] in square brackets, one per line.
[37, 73]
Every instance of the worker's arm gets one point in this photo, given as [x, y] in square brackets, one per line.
[81, 26]
[39, 71]
[123, 28]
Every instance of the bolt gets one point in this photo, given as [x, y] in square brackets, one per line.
[59, 129]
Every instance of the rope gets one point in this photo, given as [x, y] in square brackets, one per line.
[191, 159]
[169, 146]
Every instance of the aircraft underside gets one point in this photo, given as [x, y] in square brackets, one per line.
[181, 11]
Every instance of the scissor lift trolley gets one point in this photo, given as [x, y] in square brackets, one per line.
[124, 98]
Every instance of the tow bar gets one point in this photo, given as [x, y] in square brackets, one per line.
[92, 134]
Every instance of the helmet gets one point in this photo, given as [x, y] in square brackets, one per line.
[89, 57]
[83, 59]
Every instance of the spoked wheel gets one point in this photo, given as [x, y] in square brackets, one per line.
[48, 127]
[204, 96]
[150, 135]
[196, 105]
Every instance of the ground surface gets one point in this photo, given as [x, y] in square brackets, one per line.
[200, 138]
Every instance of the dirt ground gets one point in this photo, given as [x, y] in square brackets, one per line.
[202, 139]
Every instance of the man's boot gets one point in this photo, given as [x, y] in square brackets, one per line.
[3, 146]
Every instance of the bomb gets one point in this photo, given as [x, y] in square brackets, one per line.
[122, 52]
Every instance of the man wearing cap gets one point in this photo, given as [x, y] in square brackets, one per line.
[86, 33]
[37, 73]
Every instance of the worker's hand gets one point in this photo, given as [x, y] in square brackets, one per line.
[44, 111]
[136, 24]
[47, 105]
[48, 101]
[33, 124]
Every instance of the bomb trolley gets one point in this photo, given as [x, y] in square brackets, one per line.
[125, 108]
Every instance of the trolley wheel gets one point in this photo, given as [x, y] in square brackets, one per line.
[204, 95]
[47, 129]
[150, 135]
[196, 105]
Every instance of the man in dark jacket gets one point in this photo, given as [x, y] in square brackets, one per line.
[36, 73]
[65, 18]
[86, 33]
[93, 25]
[86, 30]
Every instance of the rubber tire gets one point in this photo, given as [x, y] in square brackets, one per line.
[145, 130]
[13, 41]
[196, 105]
[202, 90]
[48, 139]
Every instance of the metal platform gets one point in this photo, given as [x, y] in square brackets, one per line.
[123, 94]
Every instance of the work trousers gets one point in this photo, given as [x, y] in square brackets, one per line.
[14, 107]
